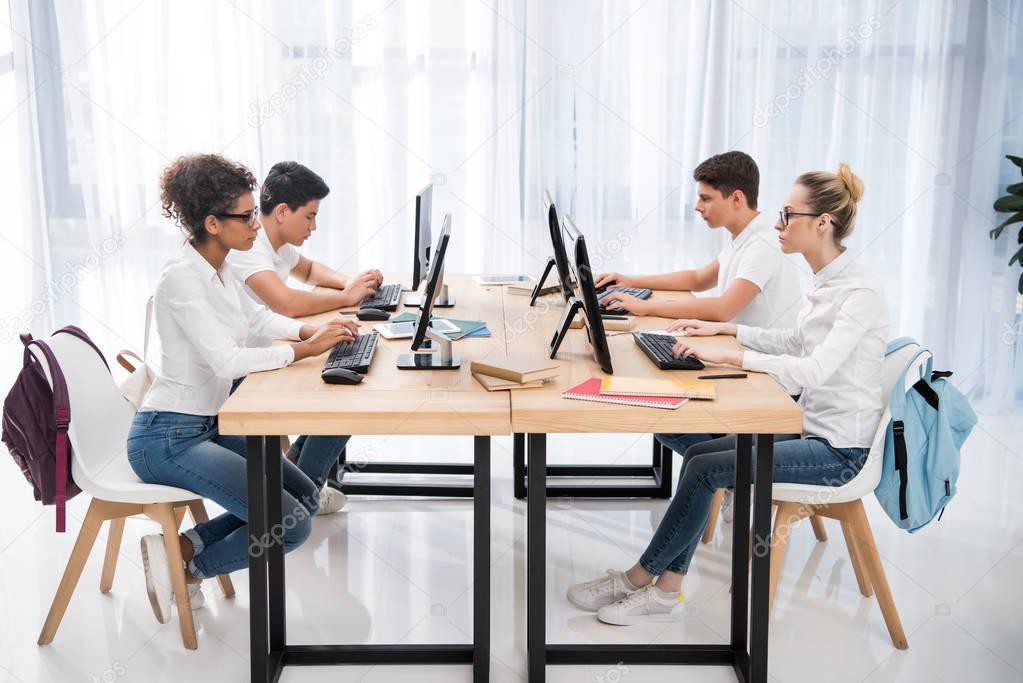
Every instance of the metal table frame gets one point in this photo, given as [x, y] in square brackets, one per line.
[270, 651]
[746, 652]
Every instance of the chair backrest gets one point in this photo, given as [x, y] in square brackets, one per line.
[100, 415]
[891, 370]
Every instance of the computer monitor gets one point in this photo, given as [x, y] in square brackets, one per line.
[586, 299]
[560, 259]
[422, 237]
[439, 357]
[421, 251]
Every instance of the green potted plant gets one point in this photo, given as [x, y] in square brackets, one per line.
[1012, 203]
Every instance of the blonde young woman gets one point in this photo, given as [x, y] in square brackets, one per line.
[834, 353]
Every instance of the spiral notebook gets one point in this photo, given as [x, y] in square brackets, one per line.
[590, 391]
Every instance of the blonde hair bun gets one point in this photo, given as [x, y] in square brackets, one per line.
[852, 182]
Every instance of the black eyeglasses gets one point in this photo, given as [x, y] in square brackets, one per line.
[785, 215]
[249, 218]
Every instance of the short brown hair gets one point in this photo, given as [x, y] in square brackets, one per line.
[729, 172]
[199, 185]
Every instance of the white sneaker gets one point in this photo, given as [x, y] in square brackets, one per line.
[195, 596]
[592, 595]
[727, 506]
[158, 580]
[331, 500]
[647, 605]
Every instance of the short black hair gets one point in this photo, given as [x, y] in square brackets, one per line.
[291, 183]
[729, 172]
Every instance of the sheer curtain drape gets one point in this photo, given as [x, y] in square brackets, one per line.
[609, 105]
[922, 99]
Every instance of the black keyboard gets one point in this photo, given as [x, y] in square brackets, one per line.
[638, 292]
[658, 348]
[353, 355]
[386, 298]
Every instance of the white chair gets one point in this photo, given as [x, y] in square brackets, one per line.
[844, 503]
[100, 419]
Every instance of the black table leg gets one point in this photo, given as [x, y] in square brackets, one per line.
[519, 465]
[259, 643]
[536, 544]
[275, 550]
[760, 602]
[740, 553]
[481, 560]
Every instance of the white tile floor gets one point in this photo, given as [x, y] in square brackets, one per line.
[399, 571]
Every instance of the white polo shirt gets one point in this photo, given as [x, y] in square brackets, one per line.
[245, 264]
[754, 255]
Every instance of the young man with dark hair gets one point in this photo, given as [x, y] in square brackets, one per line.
[756, 286]
[288, 204]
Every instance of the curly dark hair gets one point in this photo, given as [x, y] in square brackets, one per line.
[193, 187]
[729, 172]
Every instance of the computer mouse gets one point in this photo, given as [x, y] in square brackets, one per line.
[341, 376]
[372, 314]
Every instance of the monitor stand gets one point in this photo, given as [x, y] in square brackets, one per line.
[439, 357]
[543, 279]
[443, 300]
[573, 307]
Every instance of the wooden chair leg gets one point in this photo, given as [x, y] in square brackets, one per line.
[712, 520]
[198, 510]
[788, 515]
[73, 571]
[168, 519]
[867, 549]
[115, 530]
[818, 528]
[855, 556]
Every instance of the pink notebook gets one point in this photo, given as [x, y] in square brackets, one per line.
[590, 391]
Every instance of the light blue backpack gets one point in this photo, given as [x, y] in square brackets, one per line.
[930, 420]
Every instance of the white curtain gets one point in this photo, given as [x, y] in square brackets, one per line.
[922, 99]
[610, 106]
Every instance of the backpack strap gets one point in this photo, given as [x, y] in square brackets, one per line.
[901, 465]
[62, 419]
[930, 395]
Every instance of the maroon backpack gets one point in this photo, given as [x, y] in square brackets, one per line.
[35, 424]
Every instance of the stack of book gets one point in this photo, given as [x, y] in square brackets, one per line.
[669, 394]
[513, 372]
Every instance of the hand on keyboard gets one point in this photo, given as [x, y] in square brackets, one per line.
[615, 301]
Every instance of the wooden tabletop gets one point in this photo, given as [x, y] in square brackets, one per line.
[753, 405]
[294, 400]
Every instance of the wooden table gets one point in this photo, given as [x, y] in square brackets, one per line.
[756, 405]
[294, 400]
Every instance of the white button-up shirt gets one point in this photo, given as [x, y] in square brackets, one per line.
[834, 353]
[203, 319]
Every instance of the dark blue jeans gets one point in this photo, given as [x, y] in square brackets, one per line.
[709, 465]
[188, 451]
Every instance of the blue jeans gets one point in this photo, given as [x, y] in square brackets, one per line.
[187, 451]
[317, 455]
[710, 465]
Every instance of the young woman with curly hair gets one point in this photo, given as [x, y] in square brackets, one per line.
[203, 320]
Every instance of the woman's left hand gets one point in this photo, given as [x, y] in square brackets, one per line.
[685, 349]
